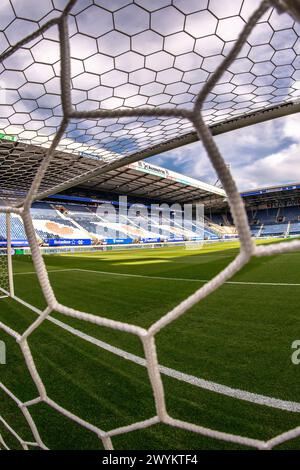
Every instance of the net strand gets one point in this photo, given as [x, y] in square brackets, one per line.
[147, 337]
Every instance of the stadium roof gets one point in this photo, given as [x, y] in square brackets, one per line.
[271, 189]
[146, 180]
[140, 179]
[125, 55]
[271, 193]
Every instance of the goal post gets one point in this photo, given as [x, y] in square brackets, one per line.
[4, 283]
[9, 256]
[6, 264]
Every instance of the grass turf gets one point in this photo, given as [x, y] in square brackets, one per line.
[239, 336]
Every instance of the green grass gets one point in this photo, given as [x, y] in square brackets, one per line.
[240, 336]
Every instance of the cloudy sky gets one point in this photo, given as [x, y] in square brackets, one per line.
[174, 46]
[260, 155]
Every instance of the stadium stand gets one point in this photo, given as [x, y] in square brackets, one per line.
[267, 223]
[82, 215]
[291, 213]
[256, 230]
[64, 221]
[272, 212]
[50, 223]
[274, 229]
[217, 219]
[219, 224]
[17, 228]
[295, 228]
[79, 221]
[266, 216]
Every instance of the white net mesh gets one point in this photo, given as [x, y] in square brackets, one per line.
[194, 117]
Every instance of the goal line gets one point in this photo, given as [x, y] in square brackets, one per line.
[164, 278]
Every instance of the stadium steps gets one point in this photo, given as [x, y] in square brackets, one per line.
[278, 213]
[219, 229]
[71, 219]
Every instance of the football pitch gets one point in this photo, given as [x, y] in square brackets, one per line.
[226, 364]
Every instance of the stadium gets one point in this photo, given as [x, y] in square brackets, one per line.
[144, 307]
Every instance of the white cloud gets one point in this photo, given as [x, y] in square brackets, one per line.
[279, 168]
[261, 155]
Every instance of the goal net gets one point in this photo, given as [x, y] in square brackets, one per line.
[88, 86]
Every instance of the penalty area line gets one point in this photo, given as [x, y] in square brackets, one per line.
[165, 278]
[208, 385]
[48, 270]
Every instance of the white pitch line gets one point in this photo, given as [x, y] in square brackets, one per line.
[201, 383]
[187, 279]
[48, 270]
[165, 278]
[190, 379]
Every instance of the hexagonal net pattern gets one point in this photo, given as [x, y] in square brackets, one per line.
[173, 35]
[126, 55]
